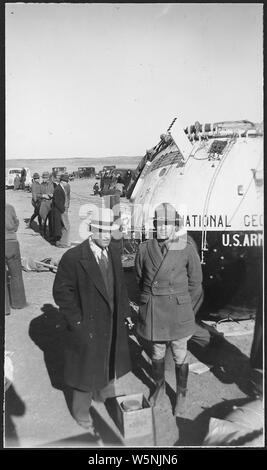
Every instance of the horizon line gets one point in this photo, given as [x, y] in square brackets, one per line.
[72, 158]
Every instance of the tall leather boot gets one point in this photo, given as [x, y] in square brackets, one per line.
[181, 372]
[158, 376]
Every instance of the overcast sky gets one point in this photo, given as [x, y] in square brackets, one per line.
[101, 80]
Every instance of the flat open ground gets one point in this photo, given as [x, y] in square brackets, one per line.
[36, 408]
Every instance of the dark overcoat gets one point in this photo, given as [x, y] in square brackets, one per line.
[58, 207]
[81, 295]
[46, 204]
[169, 288]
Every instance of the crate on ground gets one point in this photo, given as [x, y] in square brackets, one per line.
[134, 422]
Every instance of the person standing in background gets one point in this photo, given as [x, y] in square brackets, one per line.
[61, 224]
[55, 179]
[36, 200]
[54, 215]
[47, 190]
[119, 187]
[16, 182]
[96, 188]
[13, 259]
[23, 179]
[169, 275]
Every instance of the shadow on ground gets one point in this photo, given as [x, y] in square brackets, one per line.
[193, 432]
[48, 332]
[107, 435]
[34, 225]
[86, 439]
[141, 368]
[14, 406]
[230, 365]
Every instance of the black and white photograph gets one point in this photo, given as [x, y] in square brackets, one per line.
[134, 296]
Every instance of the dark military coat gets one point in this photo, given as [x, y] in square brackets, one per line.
[46, 204]
[170, 286]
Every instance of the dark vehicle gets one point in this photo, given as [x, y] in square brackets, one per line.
[86, 172]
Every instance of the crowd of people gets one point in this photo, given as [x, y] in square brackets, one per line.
[114, 183]
[51, 200]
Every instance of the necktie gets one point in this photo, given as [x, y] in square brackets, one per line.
[164, 249]
[104, 258]
[103, 265]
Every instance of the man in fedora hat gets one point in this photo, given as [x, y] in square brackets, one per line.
[59, 218]
[90, 291]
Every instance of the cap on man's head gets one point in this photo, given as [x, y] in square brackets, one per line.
[166, 211]
[35, 176]
[64, 178]
[45, 174]
[103, 220]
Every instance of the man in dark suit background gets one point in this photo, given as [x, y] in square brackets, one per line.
[91, 293]
[60, 219]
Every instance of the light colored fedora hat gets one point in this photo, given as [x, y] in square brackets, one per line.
[103, 219]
